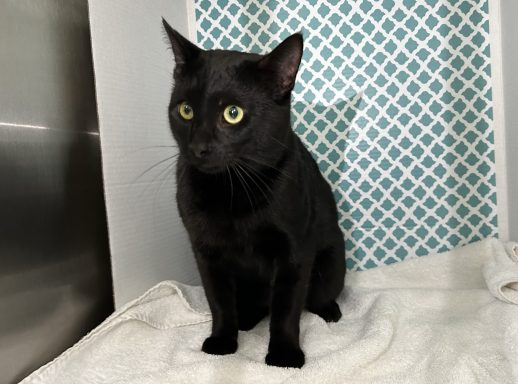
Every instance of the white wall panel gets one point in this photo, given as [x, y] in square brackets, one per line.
[133, 69]
[509, 30]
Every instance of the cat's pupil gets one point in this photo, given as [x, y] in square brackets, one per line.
[187, 109]
[233, 112]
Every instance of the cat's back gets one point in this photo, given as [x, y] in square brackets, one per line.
[323, 202]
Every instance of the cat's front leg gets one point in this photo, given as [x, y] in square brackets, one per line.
[219, 289]
[288, 296]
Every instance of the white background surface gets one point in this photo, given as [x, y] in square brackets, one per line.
[133, 68]
[509, 29]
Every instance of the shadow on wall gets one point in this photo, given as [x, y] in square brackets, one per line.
[330, 158]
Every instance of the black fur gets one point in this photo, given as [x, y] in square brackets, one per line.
[261, 218]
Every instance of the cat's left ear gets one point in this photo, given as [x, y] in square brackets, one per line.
[184, 51]
[283, 63]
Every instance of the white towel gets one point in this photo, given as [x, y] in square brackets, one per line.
[501, 272]
[426, 320]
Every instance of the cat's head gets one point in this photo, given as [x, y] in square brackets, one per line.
[229, 106]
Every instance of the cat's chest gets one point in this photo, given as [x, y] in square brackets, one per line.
[247, 250]
[218, 218]
[220, 198]
[247, 246]
[222, 230]
[251, 234]
[213, 221]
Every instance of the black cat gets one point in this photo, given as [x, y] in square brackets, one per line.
[261, 218]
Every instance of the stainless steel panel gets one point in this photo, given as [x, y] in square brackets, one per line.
[55, 282]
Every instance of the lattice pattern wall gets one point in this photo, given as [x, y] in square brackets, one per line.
[394, 101]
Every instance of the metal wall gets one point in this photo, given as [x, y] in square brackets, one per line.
[55, 282]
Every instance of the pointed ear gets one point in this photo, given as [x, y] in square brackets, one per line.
[283, 63]
[183, 49]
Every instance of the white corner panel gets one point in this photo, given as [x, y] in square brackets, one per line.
[509, 36]
[133, 72]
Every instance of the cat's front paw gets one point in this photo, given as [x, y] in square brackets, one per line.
[216, 345]
[285, 357]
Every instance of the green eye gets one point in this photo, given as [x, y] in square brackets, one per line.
[233, 114]
[185, 111]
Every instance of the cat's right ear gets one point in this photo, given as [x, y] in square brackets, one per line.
[184, 51]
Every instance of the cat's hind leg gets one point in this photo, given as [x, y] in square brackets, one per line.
[327, 281]
[330, 312]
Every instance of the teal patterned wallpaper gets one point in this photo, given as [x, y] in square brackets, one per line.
[393, 99]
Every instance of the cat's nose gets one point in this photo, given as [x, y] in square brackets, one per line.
[199, 149]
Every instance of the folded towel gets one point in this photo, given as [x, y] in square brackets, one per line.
[427, 320]
[501, 271]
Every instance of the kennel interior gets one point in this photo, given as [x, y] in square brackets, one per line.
[406, 105]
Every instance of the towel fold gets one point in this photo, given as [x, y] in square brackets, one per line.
[501, 271]
[427, 320]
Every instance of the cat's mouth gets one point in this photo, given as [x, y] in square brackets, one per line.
[211, 163]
